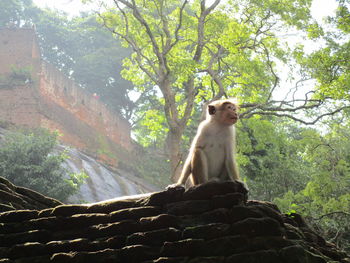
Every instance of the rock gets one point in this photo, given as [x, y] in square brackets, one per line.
[210, 223]
[15, 198]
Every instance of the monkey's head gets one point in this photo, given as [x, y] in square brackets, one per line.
[223, 111]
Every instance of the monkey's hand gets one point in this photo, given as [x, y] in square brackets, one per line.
[176, 185]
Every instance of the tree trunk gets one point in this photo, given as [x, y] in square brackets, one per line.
[174, 151]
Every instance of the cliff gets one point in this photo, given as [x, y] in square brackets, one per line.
[210, 223]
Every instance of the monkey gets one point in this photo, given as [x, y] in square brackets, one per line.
[212, 153]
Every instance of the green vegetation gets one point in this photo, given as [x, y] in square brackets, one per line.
[300, 169]
[17, 77]
[324, 197]
[28, 159]
[5, 124]
[20, 76]
[186, 53]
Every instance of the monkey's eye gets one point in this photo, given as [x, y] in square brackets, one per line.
[231, 107]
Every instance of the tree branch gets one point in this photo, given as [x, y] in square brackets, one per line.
[332, 213]
[276, 111]
[133, 45]
[276, 78]
[189, 85]
[214, 74]
[144, 23]
[200, 29]
[178, 27]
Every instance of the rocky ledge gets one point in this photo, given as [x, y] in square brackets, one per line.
[210, 223]
[14, 197]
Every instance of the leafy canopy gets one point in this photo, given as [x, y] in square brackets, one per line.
[189, 52]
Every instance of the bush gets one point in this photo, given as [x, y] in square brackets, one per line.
[27, 159]
[22, 74]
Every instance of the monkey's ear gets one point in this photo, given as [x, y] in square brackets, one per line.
[211, 109]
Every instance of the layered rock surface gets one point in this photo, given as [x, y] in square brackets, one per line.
[14, 197]
[210, 223]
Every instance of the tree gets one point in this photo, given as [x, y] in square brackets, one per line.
[190, 51]
[271, 156]
[15, 12]
[329, 65]
[325, 198]
[27, 159]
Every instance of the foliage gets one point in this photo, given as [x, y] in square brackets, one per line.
[27, 159]
[182, 54]
[270, 154]
[17, 77]
[325, 198]
[329, 65]
[153, 165]
[12, 12]
[301, 169]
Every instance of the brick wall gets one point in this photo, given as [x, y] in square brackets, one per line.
[19, 105]
[18, 48]
[54, 101]
[83, 105]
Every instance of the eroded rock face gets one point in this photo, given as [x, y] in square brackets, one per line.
[114, 182]
[211, 223]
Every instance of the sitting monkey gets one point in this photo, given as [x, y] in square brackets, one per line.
[211, 156]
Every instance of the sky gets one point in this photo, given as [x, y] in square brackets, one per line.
[319, 9]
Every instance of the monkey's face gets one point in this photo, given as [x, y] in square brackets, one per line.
[225, 113]
[229, 114]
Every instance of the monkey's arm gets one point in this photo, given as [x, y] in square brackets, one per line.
[189, 166]
[199, 166]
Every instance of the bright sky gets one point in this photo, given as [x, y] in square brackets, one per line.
[319, 9]
[72, 7]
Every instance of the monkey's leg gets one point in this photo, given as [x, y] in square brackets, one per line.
[224, 175]
[231, 164]
[199, 167]
[232, 170]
